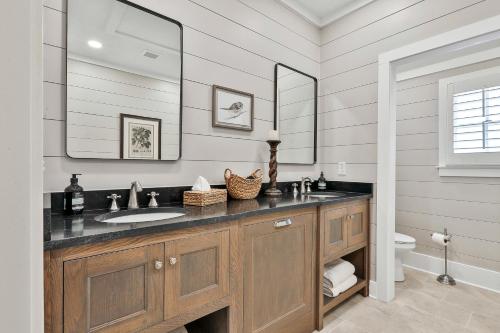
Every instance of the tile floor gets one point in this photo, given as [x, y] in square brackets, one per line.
[421, 305]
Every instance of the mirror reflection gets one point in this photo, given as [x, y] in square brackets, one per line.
[295, 115]
[124, 74]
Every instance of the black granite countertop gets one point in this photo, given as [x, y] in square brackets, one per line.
[84, 229]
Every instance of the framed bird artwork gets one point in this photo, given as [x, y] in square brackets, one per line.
[232, 109]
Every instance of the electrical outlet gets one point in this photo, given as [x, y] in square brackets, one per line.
[342, 169]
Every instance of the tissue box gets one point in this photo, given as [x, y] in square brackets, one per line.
[205, 198]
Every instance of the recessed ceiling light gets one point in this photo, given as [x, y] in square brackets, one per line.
[94, 44]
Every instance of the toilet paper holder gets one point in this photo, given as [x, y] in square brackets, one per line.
[445, 237]
[444, 278]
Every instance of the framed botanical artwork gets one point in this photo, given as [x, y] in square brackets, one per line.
[232, 109]
[140, 137]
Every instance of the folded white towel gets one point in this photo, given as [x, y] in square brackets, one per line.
[348, 283]
[338, 271]
[180, 330]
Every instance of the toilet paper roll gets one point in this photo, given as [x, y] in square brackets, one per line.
[439, 238]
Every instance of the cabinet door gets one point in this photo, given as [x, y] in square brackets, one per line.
[335, 231]
[357, 230]
[197, 272]
[116, 292]
[277, 276]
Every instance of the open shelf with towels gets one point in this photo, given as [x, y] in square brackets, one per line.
[331, 302]
[343, 233]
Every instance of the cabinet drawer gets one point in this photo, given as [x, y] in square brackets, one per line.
[116, 292]
[197, 272]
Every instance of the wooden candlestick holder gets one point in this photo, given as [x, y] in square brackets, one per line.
[273, 169]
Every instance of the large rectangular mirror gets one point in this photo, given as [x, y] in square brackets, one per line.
[295, 115]
[124, 82]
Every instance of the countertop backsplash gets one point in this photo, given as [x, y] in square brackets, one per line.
[97, 199]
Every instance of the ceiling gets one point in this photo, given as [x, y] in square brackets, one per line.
[324, 12]
[126, 34]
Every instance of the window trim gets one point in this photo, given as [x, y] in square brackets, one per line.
[485, 164]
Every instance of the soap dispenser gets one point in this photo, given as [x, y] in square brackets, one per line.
[322, 182]
[73, 197]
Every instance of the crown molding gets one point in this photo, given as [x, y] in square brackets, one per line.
[322, 22]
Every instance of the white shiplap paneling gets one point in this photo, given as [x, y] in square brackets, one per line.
[348, 95]
[468, 207]
[230, 43]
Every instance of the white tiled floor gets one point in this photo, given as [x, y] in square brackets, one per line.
[421, 305]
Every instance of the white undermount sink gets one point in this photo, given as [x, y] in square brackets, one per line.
[141, 215]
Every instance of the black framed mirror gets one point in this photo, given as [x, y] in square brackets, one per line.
[295, 115]
[124, 82]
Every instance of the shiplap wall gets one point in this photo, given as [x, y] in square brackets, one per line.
[98, 94]
[425, 202]
[349, 70]
[233, 43]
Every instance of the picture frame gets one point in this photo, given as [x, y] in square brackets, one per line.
[140, 137]
[232, 108]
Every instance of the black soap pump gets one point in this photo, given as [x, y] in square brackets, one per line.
[73, 197]
[322, 182]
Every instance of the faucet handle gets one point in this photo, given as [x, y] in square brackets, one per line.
[114, 206]
[153, 203]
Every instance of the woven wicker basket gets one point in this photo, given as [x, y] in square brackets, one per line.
[243, 188]
[205, 198]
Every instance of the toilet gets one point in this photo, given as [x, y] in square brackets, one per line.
[403, 244]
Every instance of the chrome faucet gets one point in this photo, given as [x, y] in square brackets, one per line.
[132, 200]
[305, 185]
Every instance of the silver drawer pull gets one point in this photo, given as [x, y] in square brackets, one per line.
[281, 224]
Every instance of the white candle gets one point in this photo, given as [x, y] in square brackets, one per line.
[273, 135]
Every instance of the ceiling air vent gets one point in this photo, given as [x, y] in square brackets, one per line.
[151, 55]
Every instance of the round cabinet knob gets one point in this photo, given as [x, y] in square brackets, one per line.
[173, 261]
[158, 264]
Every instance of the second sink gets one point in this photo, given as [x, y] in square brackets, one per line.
[141, 215]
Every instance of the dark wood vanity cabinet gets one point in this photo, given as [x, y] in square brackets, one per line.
[114, 292]
[278, 273]
[261, 274]
[149, 284]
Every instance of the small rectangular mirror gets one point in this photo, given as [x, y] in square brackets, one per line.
[124, 82]
[295, 115]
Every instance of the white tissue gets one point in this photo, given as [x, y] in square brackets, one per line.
[439, 238]
[201, 184]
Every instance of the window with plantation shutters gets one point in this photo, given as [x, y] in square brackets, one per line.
[476, 121]
[469, 124]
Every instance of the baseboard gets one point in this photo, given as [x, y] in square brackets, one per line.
[373, 289]
[475, 276]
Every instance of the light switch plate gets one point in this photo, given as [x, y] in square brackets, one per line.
[342, 169]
